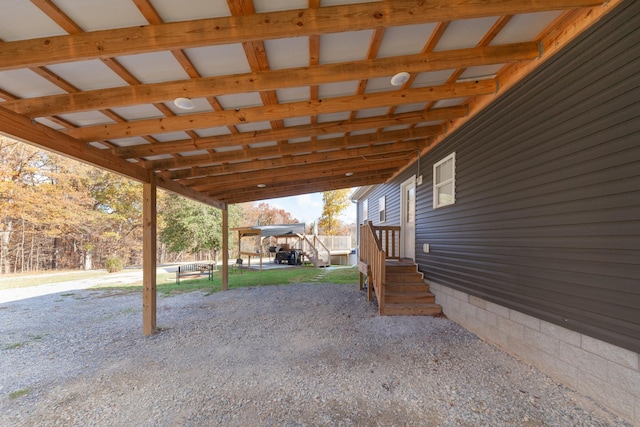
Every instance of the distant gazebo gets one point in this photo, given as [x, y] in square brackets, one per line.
[278, 231]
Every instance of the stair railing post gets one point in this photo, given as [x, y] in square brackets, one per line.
[381, 296]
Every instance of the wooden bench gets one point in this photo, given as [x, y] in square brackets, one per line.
[194, 270]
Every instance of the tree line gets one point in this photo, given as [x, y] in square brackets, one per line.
[58, 213]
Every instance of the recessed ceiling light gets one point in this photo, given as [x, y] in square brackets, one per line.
[400, 78]
[184, 103]
[349, 174]
[262, 185]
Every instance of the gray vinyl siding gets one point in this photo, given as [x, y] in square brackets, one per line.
[547, 212]
[392, 204]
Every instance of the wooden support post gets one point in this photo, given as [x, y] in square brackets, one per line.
[225, 249]
[369, 285]
[149, 256]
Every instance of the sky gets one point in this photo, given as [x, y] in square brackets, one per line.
[308, 207]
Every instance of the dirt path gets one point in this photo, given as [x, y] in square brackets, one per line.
[129, 275]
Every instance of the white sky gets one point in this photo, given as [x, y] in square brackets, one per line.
[308, 207]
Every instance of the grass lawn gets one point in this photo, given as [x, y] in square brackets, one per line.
[166, 283]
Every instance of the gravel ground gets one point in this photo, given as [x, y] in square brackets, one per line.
[295, 355]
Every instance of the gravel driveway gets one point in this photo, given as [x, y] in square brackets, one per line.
[297, 355]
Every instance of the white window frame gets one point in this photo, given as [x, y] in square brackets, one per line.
[437, 185]
[382, 213]
[365, 210]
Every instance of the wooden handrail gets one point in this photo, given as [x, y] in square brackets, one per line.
[389, 237]
[334, 243]
[309, 247]
[317, 242]
[374, 257]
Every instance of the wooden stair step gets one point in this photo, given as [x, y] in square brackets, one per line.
[391, 277]
[404, 269]
[407, 287]
[409, 297]
[405, 283]
[411, 309]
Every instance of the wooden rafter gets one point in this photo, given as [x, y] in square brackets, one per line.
[22, 128]
[232, 185]
[152, 16]
[302, 131]
[294, 188]
[316, 147]
[282, 164]
[195, 164]
[259, 26]
[279, 162]
[58, 16]
[256, 55]
[43, 136]
[281, 111]
[326, 170]
[569, 26]
[273, 79]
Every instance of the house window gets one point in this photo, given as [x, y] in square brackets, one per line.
[365, 210]
[444, 181]
[381, 209]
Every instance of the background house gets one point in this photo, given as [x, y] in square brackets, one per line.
[538, 248]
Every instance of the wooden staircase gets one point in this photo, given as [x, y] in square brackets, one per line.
[315, 251]
[396, 282]
[406, 293]
[317, 261]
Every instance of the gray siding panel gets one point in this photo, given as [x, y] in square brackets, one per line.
[547, 213]
[392, 204]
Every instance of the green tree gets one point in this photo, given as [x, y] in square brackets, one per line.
[334, 203]
[117, 208]
[190, 226]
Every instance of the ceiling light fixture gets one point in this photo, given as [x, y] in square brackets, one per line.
[184, 103]
[349, 174]
[400, 78]
[477, 78]
[262, 185]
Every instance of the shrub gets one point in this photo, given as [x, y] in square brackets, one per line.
[114, 265]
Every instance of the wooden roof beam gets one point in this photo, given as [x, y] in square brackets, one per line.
[327, 169]
[281, 162]
[282, 111]
[271, 80]
[259, 26]
[282, 150]
[327, 144]
[236, 185]
[34, 133]
[573, 24]
[292, 189]
[30, 131]
[326, 128]
[187, 192]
